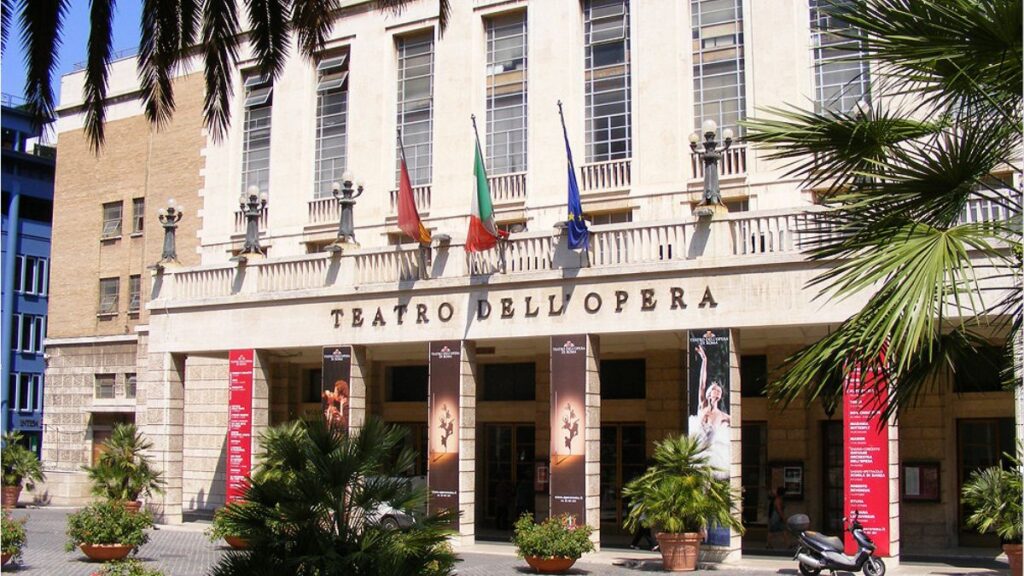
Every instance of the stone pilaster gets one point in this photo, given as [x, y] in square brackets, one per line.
[894, 493]
[592, 436]
[733, 553]
[204, 452]
[260, 400]
[467, 442]
[357, 386]
[164, 426]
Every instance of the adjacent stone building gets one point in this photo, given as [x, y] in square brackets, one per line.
[635, 79]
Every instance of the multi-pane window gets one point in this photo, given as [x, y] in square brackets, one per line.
[108, 295]
[112, 213]
[138, 214]
[619, 217]
[131, 385]
[104, 386]
[28, 332]
[718, 65]
[134, 292]
[606, 29]
[506, 94]
[331, 122]
[416, 106]
[839, 80]
[256, 132]
[31, 275]
[25, 391]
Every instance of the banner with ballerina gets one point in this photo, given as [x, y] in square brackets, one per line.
[708, 405]
[568, 423]
[335, 385]
[443, 430]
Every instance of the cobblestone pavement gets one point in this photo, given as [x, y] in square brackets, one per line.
[185, 551]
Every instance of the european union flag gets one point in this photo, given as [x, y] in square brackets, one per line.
[579, 235]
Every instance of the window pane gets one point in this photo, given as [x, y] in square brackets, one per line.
[111, 219]
[415, 106]
[138, 214]
[608, 79]
[509, 382]
[718, 79]
[108, 295]
[408, 384]
[256, 134]
[104, 386]
[506, 94]
[839, 84]
[130, 386]
[623, 379]
[331, 126]
[134, 293]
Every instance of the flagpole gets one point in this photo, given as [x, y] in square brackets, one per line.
[501, 240]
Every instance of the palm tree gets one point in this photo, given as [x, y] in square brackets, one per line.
[944, 129]
[173, 31]
[313, 507]
[123, 471]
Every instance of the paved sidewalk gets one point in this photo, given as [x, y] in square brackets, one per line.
[184, 551]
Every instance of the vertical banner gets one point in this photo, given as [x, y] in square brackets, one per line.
[240, 380]
[568, 424]
[866, 439]
[708, 405]
[334, 386]
[443, 427]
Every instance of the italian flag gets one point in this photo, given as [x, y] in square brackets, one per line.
[482, 234]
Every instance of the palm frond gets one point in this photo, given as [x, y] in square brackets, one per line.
[444, 11]
[312, 21]
[41, 28]
[269, 30]
[96, 70]
[159, 46]
[220, 54]
[7, 9]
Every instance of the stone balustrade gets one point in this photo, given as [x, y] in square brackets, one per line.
[421, 194]
[323, 211]
[508, 188]
[606, 176]
[733, 162]
[240, 221]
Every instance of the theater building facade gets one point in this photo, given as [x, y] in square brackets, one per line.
[480, 355]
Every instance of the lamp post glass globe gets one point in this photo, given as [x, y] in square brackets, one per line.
[727, 134]
[709, 126]
[694, 138]
[347, 177]
[162, 212]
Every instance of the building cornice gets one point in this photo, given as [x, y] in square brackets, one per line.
[120, 338]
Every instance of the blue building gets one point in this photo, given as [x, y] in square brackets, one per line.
[27, 183]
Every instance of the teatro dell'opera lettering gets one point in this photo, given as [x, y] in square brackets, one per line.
[527, 306]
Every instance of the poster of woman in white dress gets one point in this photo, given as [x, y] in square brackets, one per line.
[708, 404]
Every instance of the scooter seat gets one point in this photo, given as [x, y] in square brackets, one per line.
[824, 542]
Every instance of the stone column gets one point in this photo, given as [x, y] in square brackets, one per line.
[592, 436]
[734, 554]
[260, 400]
[467, 443]
[164, 426]
[893, 559]
[357, 400]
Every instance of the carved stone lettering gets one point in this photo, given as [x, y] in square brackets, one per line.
[708, 300]
[401, 309]
[620, 299]
[445, 312]
[483, 309]
[551, 306]
[531, 313]
[677, 298]
[592, 303]
[337, 313]
[378, 318]
[647, 300]
[507, 311]
[357, 317]
[421, 314]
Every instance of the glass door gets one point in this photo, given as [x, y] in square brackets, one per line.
[832, 462]
[980, 444]
[509, 451]
[623, 457]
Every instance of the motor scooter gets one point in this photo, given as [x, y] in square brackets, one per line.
[816, 552]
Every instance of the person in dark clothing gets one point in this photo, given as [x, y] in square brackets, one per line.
[645, 533]
[776, 519]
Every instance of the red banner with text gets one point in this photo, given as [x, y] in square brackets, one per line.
[240, 376]
[866, 439]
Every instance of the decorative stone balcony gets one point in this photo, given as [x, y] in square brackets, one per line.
[323, 211]
[508, 188]
[733, 163]
[613, 175]
[419, 193]
[240, 221]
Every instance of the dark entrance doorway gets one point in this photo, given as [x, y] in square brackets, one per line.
[832, 461]
[981, 443]
[509, 451]
[623, 457]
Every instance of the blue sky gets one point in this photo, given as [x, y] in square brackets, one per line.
[73, 47]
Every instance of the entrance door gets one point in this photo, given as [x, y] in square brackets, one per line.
[980, 444]
[623, 457]
[508, 473]
[832, 477]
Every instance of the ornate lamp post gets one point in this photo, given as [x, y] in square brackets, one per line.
[169, 218]
[346, 196]
[252, 205]
[710, 155]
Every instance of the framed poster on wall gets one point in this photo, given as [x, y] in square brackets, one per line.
[921, 482]
[789, 476]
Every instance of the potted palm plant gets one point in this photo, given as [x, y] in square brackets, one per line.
[21, 468]
[220, 528]
[123, 472]
[12, 540]
[678, 497]
[552, 546]
[107, 530]
[994, 494]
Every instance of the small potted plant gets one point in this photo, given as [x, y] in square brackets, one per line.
[127, 567]
[221, 528]
[994, 495]
[123, 472]
[21, 468]
[12, 539]
[679, 496]
[107, 530]
[552, 546]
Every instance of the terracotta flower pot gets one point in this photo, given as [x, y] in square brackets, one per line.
[106, 552]
[555, 565]
[10, 496]
[1013, 554]
[236, 542]
[133, 506]
[679, 552]
[5, 558]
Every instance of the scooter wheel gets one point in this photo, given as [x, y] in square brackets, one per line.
[874, 567]
[806, 570]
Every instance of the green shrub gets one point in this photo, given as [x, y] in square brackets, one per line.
[21, 467]
[994, 495]
[124, 471]
[127, 567]
[219, 528]
[13, 536]
[108, 523]
[555, 537]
